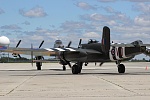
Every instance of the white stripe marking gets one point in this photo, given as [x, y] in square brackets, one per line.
[49, 49]
[70, 49]
[59, 49]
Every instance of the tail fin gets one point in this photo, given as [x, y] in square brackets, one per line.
[106, 39]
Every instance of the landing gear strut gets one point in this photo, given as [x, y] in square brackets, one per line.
[76, 68]
[64, 67]
[38, 64]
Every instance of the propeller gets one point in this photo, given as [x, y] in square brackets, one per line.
[36, 57]
[32, 54]
[69, 44]
[17, 47]
[19, 56]
[18, 43]
[41, 44]
[79, 43]
[40, 47]
[101, 63]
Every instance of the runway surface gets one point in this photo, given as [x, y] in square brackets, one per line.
[22, 81]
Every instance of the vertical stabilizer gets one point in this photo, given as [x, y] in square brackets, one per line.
[106, 39]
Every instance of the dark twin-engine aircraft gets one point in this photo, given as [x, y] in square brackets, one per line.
[93, 51]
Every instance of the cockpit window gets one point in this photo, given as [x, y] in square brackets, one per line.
[58, 42]
[92, 41]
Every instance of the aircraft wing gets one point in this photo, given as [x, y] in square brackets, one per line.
[27, 51]
[35, 51]
[44, 51]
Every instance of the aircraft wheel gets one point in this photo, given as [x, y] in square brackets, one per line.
[38, 65]
[75, 69]
[79, 69]
[121, 68]
[64, 68]
[79, 64]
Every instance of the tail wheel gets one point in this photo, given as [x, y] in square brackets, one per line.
[121, 68]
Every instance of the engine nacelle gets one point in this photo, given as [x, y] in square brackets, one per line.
[4, 41]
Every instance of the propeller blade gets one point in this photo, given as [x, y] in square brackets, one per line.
[19, 56]
[32, 54]
[79, 43]
[69, 44]
[101, 63]
[41, 44]
[18, 43]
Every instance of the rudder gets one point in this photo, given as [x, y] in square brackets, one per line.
[106, 40]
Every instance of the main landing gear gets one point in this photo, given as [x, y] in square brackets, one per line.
[39, 64]
[121, 67]
[76, 68]
[64, 67]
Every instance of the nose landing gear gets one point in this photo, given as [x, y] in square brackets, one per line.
[76, 68]
[121, 68]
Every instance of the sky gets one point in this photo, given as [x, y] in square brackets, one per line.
[69, 20]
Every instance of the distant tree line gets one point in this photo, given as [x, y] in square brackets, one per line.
[14, 60]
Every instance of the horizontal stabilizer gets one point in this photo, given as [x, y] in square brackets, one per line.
[129, 45]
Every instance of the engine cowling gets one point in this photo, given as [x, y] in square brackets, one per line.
[4, 41]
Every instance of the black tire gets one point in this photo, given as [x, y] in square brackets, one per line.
[38, 65]
[79, 64]
[79, 69]
[75, 69]
[121, 68]
[64, 68]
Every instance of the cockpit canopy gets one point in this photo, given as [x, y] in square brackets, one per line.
[137, 42]
[92, 41]
[58, 42]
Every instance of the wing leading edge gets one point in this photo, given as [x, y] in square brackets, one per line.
[43, 51]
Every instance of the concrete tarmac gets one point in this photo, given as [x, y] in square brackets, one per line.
[22, 81]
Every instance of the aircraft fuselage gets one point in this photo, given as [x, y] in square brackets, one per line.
[114, 54]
